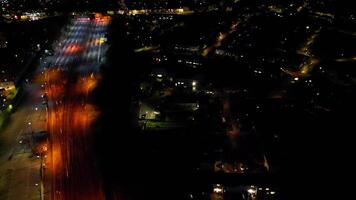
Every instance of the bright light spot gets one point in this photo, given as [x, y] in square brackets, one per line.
[251, 191]
[44, 148]
[194, 83]
[217, 190]
[273, 192]
[296, 78]
[102, 40]
[159, 75]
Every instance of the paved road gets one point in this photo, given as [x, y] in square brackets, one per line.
[72, 73]
[19, 169]
[67, 78]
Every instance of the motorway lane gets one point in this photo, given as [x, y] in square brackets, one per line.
[69, 79]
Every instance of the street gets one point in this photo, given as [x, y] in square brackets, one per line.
[70, 76]
[20, 169]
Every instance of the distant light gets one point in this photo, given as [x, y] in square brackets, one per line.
[194, 83]
[296, 78]
[159, 75]
[29, 123]
[307, 27]
[267, 189]
[251, 191]
[273, 192]
[217, 190]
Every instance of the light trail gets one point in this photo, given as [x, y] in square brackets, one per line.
[69, 79]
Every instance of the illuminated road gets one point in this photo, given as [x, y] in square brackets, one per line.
[220, 39]
[69, 77]
[19, 169]
[310, 61]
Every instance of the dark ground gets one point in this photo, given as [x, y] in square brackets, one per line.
[317, 146]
